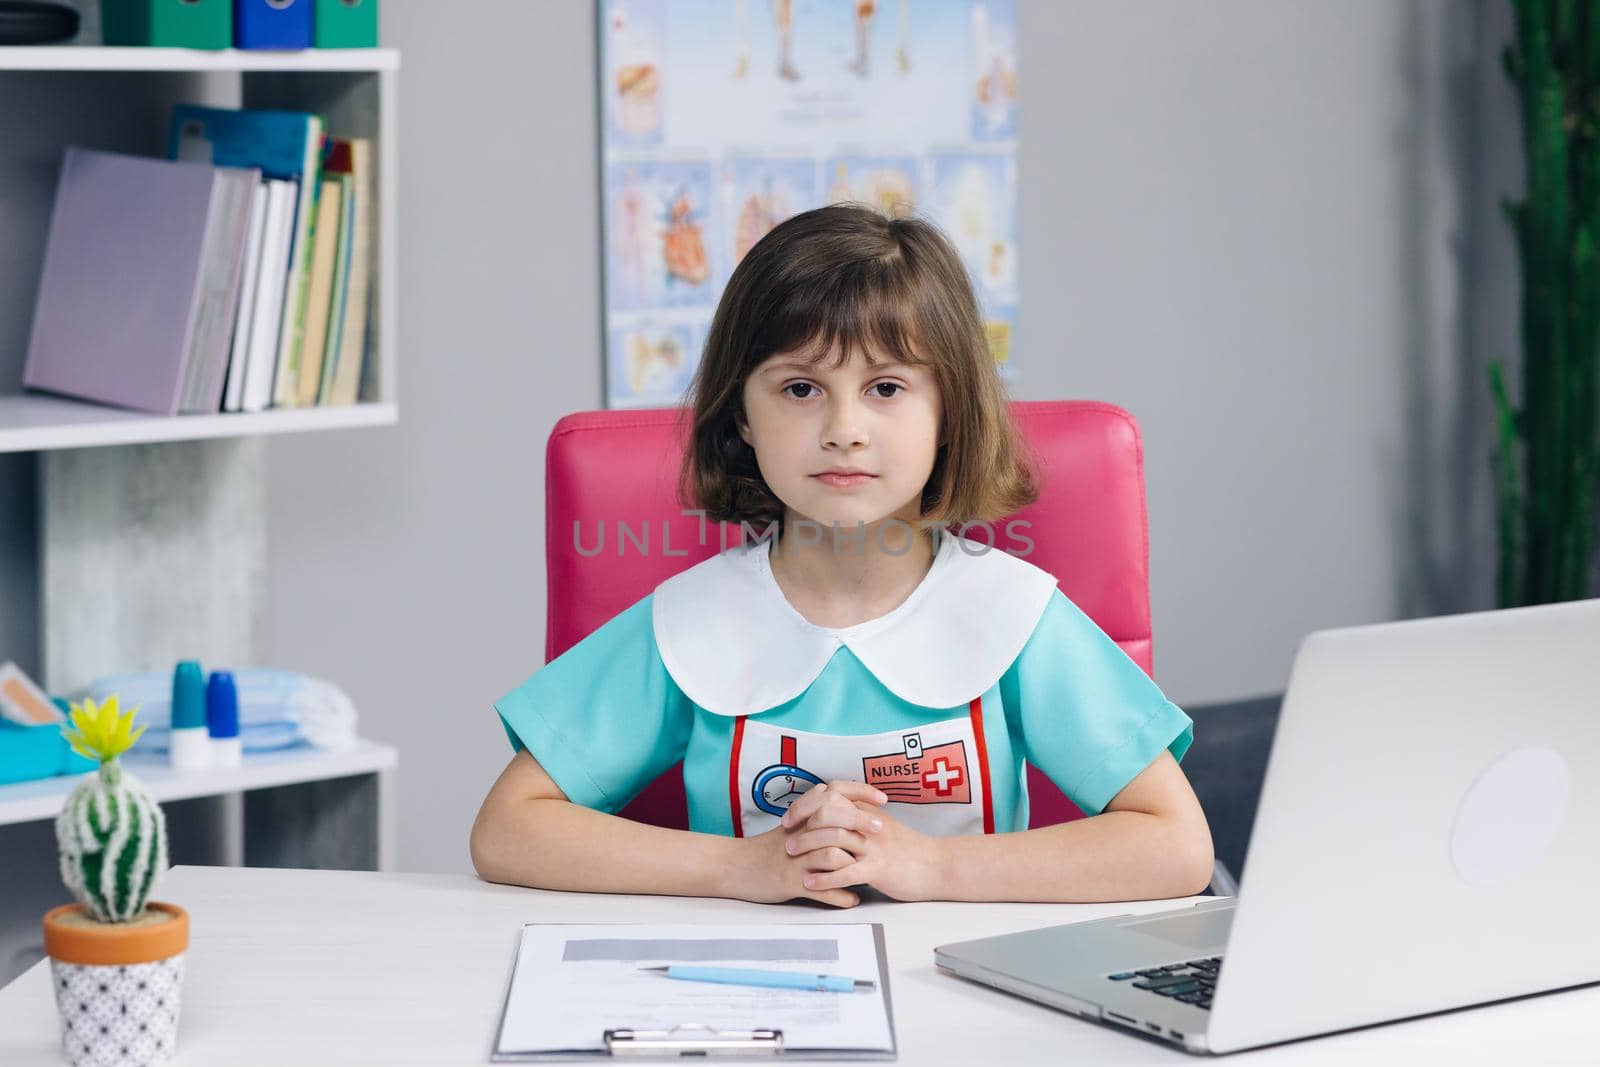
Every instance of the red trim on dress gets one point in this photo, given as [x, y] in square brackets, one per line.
[733, 777]
[976, 708]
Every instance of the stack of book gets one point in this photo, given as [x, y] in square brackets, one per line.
[234, 276]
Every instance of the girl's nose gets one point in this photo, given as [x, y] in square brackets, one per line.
[845, 427]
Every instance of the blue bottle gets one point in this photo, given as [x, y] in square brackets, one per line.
[222, 720]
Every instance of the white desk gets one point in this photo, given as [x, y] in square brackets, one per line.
[345, 967]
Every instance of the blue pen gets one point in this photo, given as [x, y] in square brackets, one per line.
[821, 983]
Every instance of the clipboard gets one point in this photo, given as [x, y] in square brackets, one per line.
[696, 1039]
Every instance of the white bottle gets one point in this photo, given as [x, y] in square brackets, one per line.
[190, 741]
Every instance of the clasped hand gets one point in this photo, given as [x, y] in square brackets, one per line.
[835, 836]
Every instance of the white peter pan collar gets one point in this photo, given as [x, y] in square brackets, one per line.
[735, 645]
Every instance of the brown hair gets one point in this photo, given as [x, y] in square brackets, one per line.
[851, 275]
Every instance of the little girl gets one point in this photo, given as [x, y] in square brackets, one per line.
[854, 696]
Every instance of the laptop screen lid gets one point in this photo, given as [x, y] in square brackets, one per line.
[1428, 832]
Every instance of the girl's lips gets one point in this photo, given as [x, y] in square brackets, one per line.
[844, 481]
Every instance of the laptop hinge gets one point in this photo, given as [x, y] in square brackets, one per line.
[1212, 905]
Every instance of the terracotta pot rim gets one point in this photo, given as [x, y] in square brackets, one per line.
[112, 943]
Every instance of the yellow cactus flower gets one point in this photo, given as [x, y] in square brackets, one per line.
[103, 733]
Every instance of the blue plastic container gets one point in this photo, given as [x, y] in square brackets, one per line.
[277, 25]
[30, 752]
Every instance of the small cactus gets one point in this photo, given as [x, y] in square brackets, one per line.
[112, 836]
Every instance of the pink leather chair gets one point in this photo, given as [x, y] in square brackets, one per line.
[614, 529]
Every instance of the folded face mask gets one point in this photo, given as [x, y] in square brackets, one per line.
[277, 708]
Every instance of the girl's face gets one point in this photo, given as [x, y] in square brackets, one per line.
[807, 420]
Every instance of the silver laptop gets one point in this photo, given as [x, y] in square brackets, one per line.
[1427, 838]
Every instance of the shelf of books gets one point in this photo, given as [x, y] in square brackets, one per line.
[226, 270]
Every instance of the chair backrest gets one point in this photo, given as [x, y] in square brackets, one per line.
[614, 530]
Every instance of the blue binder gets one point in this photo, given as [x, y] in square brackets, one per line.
[277, 25]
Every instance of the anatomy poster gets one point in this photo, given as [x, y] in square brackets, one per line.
[722, 118]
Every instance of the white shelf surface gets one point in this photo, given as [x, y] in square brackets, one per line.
[34, 422]
[47, 57]
[43, 798]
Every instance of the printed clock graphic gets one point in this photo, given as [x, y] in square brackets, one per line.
[782, 783]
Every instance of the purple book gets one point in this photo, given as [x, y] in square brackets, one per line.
[120, 294]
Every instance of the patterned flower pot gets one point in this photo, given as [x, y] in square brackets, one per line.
[117, 984]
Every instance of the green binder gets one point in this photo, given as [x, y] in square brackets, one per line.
[167, 23]
[347, 24]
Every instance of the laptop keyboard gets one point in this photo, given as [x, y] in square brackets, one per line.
[1192, 981]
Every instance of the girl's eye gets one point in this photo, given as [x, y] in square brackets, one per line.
[891, 385]
[798, 385]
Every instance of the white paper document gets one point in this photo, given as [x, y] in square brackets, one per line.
[574, 981]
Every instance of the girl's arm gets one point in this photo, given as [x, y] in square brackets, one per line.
[528, 833]
[1151, 842]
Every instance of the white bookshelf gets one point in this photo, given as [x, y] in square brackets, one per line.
[355, 90]
[152, 530]
[42, 798]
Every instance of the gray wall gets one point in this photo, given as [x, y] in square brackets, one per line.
[1250, 223]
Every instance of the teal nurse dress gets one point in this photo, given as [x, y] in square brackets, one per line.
[985, 667]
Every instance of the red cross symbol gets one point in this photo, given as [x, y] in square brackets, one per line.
[943, 778]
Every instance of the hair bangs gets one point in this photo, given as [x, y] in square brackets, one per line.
[868, 309]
